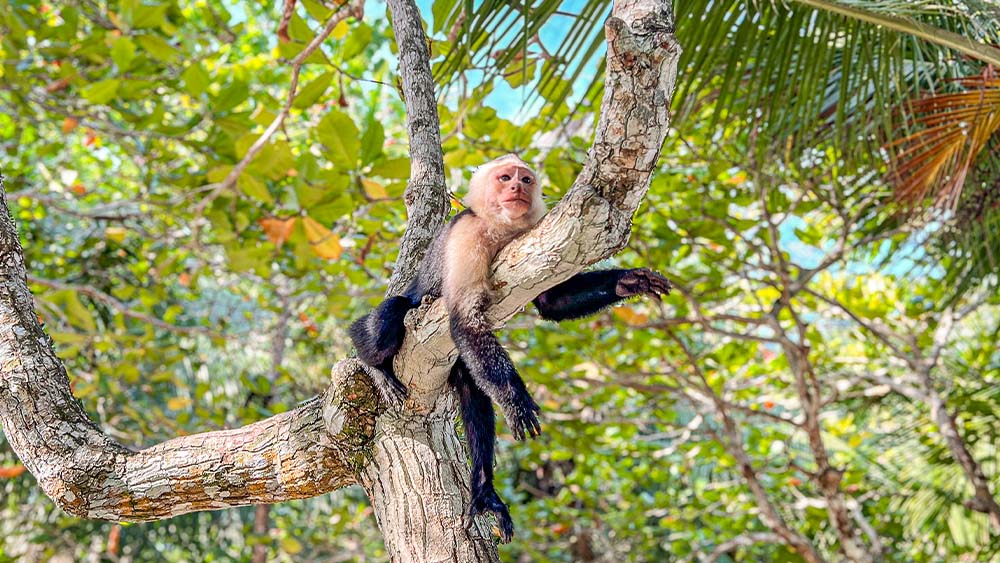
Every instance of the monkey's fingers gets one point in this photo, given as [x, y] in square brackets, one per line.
[522, 422]
[659, 285]
[643, 281]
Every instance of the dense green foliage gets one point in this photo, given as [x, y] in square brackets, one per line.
[805, 308]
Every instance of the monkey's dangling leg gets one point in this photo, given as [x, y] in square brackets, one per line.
[378, 336]
[494, 373]
[480, 432]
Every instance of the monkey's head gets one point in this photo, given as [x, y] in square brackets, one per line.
[506, 190]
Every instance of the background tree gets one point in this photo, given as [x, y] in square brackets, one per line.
[409, 462]
[818, 391]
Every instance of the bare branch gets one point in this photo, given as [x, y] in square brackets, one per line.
[121, 307]
[426, 196]
[745, 540]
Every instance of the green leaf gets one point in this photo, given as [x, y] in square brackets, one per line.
[196, 79]
[101, 92]
[392, 168]
[330, 212]
[340, 136]
[146, 16]
[308, 95]
[231, 96]
[123, 53]
[316, 10]
[78, 314]
[254, 188]
[274, 160]
[158, 48]
[441, 11]
[372, 141]
[357, 41]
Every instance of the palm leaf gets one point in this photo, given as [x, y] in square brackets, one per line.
[952, 129]
[795, 73]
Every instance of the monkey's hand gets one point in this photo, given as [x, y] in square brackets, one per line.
[642, 281]
[521, 412]
[487, 501]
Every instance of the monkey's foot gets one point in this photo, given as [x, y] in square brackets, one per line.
[520, 413]
[642, 281]
[389, 386]
[487, 501]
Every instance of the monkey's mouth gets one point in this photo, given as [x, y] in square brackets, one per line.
[516, 200]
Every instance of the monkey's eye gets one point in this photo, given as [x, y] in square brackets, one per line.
[505, 178]
[527, 179]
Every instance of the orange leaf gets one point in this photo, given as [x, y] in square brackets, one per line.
[324, 243]
[184, 279]
[11, 471]
[278, 230]
[60, 84]
[114, 539]
[78, 188]
[950, 131]
[69, 124]
[630, 316]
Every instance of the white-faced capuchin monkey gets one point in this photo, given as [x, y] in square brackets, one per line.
[504, 201]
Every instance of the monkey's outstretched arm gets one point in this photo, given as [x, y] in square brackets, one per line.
[480, 432]
[587, 293]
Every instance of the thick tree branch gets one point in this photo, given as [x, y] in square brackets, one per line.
[297, 454]
[593, 220]
[426, 194]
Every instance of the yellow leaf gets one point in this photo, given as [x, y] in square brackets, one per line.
[374, 190]
[324, 243]
[340, 31]
[116, 234]
[178, 403]
[291, 545]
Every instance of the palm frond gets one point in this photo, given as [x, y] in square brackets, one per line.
[795, 73]
[952, 129]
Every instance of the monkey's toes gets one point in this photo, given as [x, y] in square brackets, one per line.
[523, 423]
[488, 501]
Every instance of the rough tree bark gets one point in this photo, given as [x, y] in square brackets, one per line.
[410, 461]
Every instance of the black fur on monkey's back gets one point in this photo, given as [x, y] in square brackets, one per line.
[484, 370]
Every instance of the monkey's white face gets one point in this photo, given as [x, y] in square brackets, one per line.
[514, 188]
